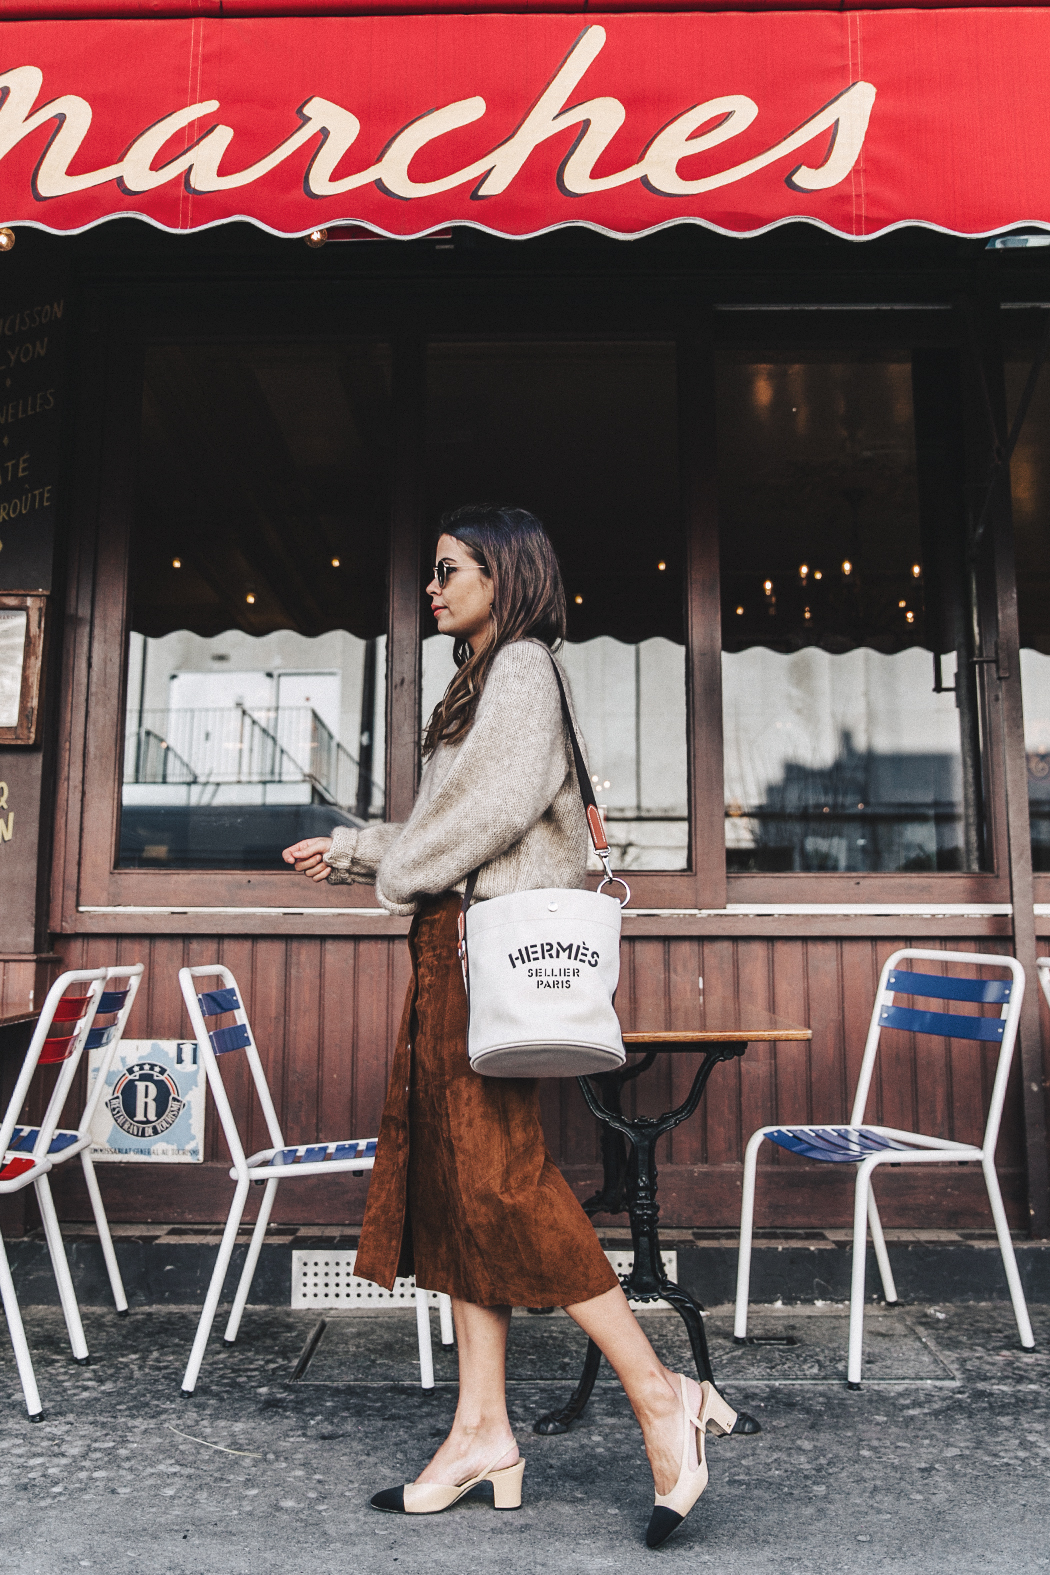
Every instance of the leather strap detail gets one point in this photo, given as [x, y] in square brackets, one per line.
[598, 837]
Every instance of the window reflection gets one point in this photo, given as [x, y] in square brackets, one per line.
[1030, 496]
[585, 435]
[849, 746]
[257, 657]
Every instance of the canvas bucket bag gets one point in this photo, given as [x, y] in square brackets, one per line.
[541, 968]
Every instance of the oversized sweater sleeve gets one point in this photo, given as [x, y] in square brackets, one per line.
[506, 774]
[356, 851]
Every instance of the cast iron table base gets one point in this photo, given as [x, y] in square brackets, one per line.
[630, 1180]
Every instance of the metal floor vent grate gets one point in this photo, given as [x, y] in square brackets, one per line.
[623, 1263]
[327, 1279]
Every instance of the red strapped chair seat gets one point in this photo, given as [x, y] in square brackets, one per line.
[68, 1025]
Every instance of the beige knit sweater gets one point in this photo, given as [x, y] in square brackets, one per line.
[504, 799]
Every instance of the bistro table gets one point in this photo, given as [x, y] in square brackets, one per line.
[630, 1177]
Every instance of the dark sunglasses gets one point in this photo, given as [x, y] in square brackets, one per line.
[443, 571]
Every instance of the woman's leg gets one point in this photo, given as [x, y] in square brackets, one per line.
[653, 1391]
[481, 1425]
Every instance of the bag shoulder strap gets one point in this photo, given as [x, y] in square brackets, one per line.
[594, 819]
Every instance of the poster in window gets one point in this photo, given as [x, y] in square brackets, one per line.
[21, 663]
[12, 662]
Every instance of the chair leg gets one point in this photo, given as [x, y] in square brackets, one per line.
[106, 1240]
[747, 1220]
[20, 1345]
[860, 1252]
[1006, 1247]
[426, 1350]
[448, 1332]
[882, 1257]
[250, 1263]
[66, 1294]
[211, 1301]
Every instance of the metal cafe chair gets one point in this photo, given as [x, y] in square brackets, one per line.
[867, 1147]
[280, 1162]
[68, 1025]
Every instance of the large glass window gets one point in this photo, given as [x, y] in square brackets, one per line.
[1030, 492]
[585, 435]
[851, 726]
[255, 699]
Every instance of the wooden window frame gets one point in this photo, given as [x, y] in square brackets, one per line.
[1012, 339]
[90, 894]
[991, 886]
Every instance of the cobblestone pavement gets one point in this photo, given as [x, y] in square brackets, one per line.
[939, 1464]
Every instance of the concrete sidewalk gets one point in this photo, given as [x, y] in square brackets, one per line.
[938, 1465]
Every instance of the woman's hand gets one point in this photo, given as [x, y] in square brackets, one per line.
[308, 857]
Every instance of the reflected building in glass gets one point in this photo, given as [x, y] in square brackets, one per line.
[255, 711]
[851, 725]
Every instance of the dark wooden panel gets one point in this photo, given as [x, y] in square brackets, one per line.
[722, 987]
[683, 965]
[820, 1196]
[326, 1012]
[337, 1062]
[758, 1069]
[826, 1007]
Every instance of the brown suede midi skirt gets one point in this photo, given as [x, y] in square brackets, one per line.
[464, 1193]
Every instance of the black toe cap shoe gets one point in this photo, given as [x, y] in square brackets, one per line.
[390, 1499]
[661, 1524]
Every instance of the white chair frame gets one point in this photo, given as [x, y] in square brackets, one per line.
[1042, 965]
[48, 1146]
[270, 1166]
[918, 1149]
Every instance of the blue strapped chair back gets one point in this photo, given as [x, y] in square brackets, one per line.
[80, 1013]
[209, 1010]
[867, 1145]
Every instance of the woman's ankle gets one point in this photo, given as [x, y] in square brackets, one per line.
[656, 1399]
[468, 1442]
[476, 1449]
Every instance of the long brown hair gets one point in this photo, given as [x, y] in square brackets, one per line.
[528, 602]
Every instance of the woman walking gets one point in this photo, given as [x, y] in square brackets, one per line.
[464, 1193]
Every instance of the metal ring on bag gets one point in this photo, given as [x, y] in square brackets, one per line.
[616, 881]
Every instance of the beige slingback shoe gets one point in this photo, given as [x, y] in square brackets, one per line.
[430, 1498]
[671, 1508]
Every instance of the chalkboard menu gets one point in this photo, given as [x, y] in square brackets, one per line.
[32, 351]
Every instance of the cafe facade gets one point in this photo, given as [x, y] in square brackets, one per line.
[750, 307]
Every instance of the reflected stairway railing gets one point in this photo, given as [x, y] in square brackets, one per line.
[231, 745]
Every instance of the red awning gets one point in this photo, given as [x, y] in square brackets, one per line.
[858, 121]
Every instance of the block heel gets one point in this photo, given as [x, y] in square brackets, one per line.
[430, 1498]
[720, 1417]
[506, 1486]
